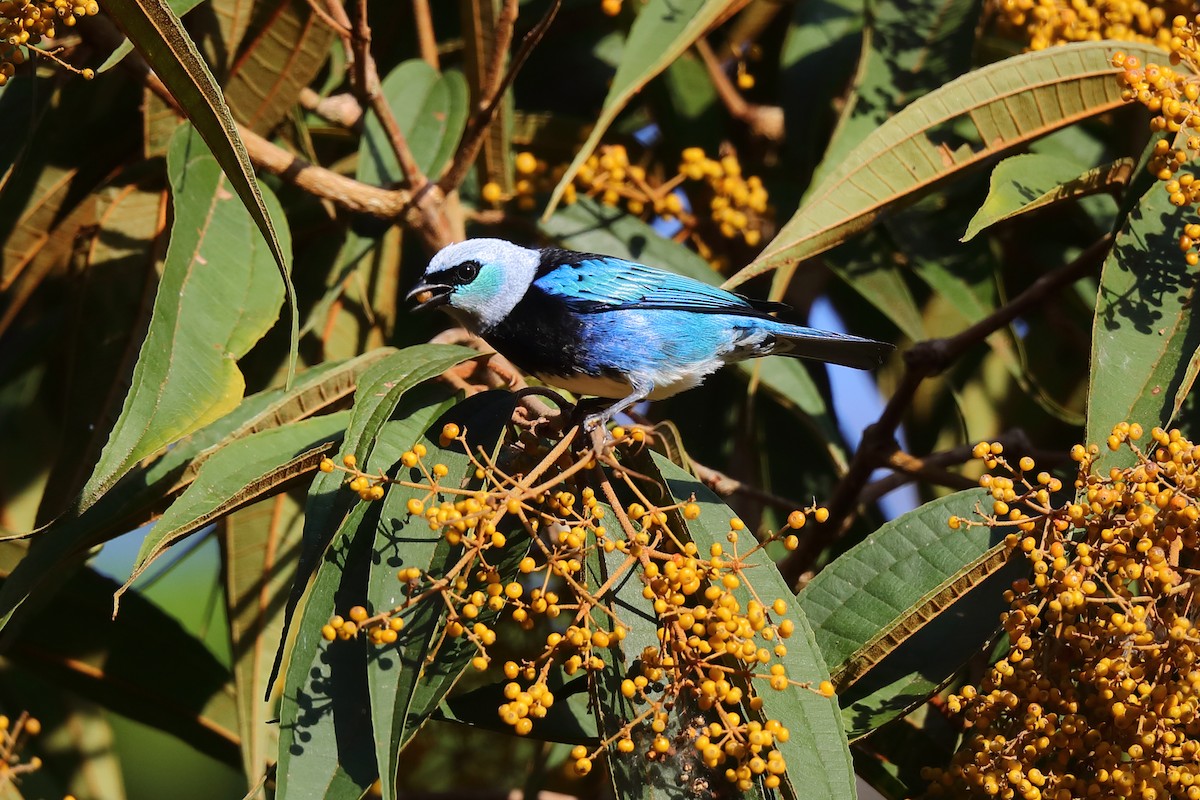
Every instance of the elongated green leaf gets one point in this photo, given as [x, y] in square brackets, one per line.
[1006, 104]
[217, 297]
[180, 7]
[881, 591]
[259, 549]
[177, 686]
[820, 50]
[409, 681]
[287, 46]
[431, 110]
[237, 475]
[910, 48]
[633, 775]
[158, 35]
[134, 500]
[325, 743]
[1024, 183]
[817, 755]
[379, 392]
[662, 30]
[1146, 328]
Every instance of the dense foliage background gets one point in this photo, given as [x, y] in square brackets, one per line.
[209, 225]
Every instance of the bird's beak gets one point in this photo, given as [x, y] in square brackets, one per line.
[430, 295]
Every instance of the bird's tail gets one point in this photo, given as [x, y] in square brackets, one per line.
[835, 348]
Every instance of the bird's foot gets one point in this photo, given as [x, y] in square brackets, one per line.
[597, 426]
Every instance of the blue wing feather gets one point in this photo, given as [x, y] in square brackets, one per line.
[605, 283]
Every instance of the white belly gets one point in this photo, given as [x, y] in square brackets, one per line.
[665, 385]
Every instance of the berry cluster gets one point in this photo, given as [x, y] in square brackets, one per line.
[716, 651]
[1099, 695]
[25, 23]
[737, 207]
[1045, 23]
[13, 737]
[1171, 97]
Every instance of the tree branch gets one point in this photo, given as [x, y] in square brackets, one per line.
[472, 141]
[925, 359]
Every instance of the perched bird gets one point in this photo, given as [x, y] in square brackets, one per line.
[604, 326]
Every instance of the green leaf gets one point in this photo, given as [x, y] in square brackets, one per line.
[1023, 183]
[180, 7]
[285, 49]
[633, 775]
[380, 391]
[158, 35]
[431, 110]
[1146, 329]
[662, 31]
[259, 549]
[910, 48]
[885, 590]
[408, 682]
[176, 685]
[217, 297]
[325, 743]
[237, 475]
[817, 755]
[1004, 104]
[133, 500]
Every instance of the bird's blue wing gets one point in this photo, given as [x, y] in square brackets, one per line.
[604, 283]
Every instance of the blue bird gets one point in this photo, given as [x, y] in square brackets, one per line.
[604, 326]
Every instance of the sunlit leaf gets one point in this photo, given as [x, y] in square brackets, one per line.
[379, 392]
[158, 35]
[408, 681]
[887, 589]
[817, 755]
[1003, 104]
[217, 296]
[286, 47]
[325, 744]
[1146, 329]
[238, 475]
[1024, 183]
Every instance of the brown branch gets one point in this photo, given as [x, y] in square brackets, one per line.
[340, 109]
[426, 40]
[910, 468]
[477, 128]
[726, 486]
[924, 360]
[506, 23]
[366, 85]
[764, 121]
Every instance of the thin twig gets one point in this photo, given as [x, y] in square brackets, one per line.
[340, 109]
[476, 131]
[426, 40]
[725, 486]
[766, 121]
[506, 23]
[366, 84]
[924, 360]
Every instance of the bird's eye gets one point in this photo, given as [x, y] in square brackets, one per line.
[466, 272]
